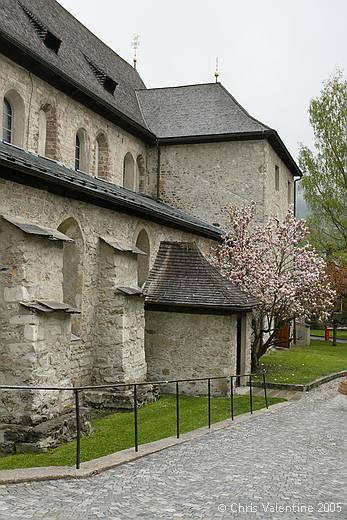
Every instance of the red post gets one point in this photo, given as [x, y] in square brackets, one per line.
[326, 333]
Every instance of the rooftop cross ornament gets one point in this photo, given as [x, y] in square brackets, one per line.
[216, 74]
[135, 45]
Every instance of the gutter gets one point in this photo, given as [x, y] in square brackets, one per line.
[158, 169]
[295, 193]
[270, 135]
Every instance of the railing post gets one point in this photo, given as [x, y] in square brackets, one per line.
[231, 398]
[135, 419]
[250, 393]
[177, 412]
[209, 401]
[265, 394]
[78, 430]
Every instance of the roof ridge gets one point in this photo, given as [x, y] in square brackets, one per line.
[242, 108]
[141, 111]
[176, 86]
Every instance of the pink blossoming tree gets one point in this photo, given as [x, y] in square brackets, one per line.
[274, 263]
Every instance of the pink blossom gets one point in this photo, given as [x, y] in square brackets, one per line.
[274, 263]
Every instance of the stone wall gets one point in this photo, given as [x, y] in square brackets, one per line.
[277, 202]
[184, 345]
[94, 222]
[119, 354]
[64, 117]
[202, 179]
[199, 178]
[35, 347]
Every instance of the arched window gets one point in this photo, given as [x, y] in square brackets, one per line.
[7, 119]
[142, 243]
[73, 270]
[129, 172]
[101, 157]
[13, 118]
[48, 139]
[81, 150]
[77, 152]
[141, 174]
[41, 147]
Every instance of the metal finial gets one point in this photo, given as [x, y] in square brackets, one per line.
[135, 45]
[216, 74]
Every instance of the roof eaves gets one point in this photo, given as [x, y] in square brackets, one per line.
[270, 135]
[152, 305]
[83, 192]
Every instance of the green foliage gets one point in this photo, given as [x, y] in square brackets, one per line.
[325, 174]
[302, 365]
[156, 421]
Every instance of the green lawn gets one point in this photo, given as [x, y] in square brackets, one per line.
[156, 421]
[341, 334]
[304, 364]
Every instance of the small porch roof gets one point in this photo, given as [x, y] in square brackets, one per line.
[182, 277]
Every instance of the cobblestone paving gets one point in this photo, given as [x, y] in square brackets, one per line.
[295, 456]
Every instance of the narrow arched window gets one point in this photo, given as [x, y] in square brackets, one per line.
[141, 174]
[82, 150]
[73, 272]
[101, 157]
[48, 129]
[77, 153]
[129, 172]
[7, 121]
[41, 148]
[142, 243]
[13, 118]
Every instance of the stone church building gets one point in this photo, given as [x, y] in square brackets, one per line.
[111, 201]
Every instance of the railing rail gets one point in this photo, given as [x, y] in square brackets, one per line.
[77, 390]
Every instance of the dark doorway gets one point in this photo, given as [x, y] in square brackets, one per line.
[238, 351]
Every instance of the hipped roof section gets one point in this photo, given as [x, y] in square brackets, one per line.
[199, 110]
[182, 277]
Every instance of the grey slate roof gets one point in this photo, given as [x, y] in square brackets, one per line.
[50, 306]
[34, 229]
[122, 248]
[182, 277]
[193, 110]
[49, 174]
[206, 110]
[77, 41]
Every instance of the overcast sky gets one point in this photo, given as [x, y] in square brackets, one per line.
[273, 54]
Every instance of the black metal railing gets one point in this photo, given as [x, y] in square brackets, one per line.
[78, 389]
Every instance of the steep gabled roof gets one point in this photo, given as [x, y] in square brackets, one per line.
[24, 167]
[82, 58]
[182, 277]
[193, 110]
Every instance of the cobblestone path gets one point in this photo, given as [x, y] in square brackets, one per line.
[294, 457]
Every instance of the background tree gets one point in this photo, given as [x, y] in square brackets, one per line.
[338, 280]
[276, 264]
[325, 170]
